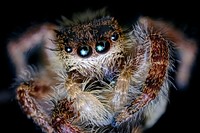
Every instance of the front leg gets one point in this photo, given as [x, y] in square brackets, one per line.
[156, 38]
[159, 64]
[31, 108]
[120, 96]
[33, 96]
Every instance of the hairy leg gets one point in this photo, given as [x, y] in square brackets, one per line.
[38, 101]
[37, 113]
[36, 36]
[161, 37]
[31, 107]
[33, 88]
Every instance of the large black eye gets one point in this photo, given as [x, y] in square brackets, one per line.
[114, 36]
[102, 46]
[84, 51]
[68, 49]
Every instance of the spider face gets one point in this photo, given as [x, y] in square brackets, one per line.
[88, 45]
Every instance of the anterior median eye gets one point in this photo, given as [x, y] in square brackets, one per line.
[102, 46]
[84, 51]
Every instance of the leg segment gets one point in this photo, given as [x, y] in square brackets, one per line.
[32, 109]
[159, 61]
[63, 115]
[159, 35]
[27, 97]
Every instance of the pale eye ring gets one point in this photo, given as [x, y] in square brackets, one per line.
[84, 51]
[102, 47]
[114, 36]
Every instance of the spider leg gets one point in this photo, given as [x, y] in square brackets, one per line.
[160, 37]
[28, 96]
[62, 117]
[159, 63]
[35, 37]
[33, 87]
[31, 107]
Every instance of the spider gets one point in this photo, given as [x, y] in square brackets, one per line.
[94, 75]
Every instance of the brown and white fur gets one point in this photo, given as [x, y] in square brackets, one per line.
[122, 89]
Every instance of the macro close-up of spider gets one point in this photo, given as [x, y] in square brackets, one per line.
[89, 73]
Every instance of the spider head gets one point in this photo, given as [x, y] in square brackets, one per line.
[90, 46]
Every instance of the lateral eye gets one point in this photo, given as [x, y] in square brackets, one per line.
[84, 51]
[102, 46]
[114, 36]
[68, 49]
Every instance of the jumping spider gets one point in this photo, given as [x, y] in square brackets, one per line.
[93, 75]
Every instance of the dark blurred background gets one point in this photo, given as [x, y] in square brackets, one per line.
[15, 17]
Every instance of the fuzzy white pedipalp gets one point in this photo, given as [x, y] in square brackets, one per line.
[92, 110]
[86, 101]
